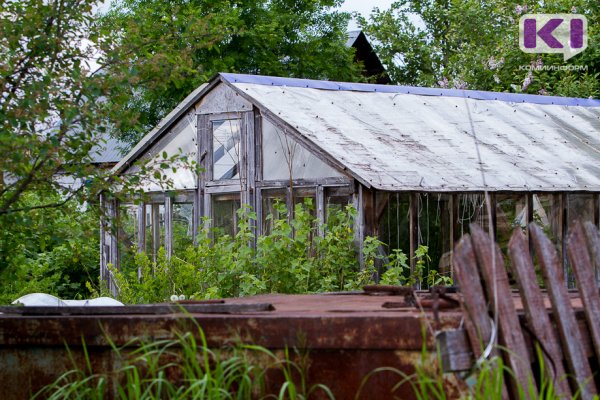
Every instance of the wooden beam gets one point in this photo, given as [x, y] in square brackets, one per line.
[103, 239]
[141, 227]
[597, 210]
[593, 240]
[321, 206]
[359, 223]
[413, 229]
[169, 226]
[155, 230]
[454, 350]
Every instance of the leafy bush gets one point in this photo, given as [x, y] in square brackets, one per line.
[291, 258]
[52, 250]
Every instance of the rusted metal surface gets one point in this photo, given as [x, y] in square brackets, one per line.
[347, 336]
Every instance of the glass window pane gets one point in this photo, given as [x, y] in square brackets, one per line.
[394, 223]
[472, 209]
[511, 213]
[580, 207]
[224, 210]
[435, 230]
[283, 156]
[307, 198]
[155, 228]
[127, 234]
[183, 234]
[337, 199]
[273, 205]
[226, 149]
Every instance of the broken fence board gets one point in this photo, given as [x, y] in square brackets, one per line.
[477, 323]
[495, 277]
[593, 240]
[535, 311]
[564, 316]
[586, 282]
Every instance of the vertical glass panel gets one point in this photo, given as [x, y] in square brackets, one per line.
[273, 207]
[283, 156]
[394, 223]
[435, 230]
[127, 234]
[161, 219]
[224, 210]
[183, 234]
[547, 213]
[337, 199]
[511, 213]
[226, 149]
[306, 197]
[155, 228]
[149, 245]
[580, 207]
[472, 209]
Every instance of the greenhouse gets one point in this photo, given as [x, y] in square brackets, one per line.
[418, 164]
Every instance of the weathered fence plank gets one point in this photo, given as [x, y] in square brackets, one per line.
[477, 323]
[586, 281]
[535, 311]
[564, 315]
[495, 277]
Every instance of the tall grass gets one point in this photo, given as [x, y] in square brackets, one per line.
[186, 368]
[485, 382]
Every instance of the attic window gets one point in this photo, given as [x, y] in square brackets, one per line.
[226, 149]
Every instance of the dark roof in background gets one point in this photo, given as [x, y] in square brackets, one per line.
[108, 151]
[364, 53]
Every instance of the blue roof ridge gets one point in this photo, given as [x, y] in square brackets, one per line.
[423, 91]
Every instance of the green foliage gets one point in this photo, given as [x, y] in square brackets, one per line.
[53, 250]
[474, 45]
[292, 258]
[485, 381]
[184, 368]
[167, 49]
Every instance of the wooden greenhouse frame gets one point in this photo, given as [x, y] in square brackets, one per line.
[384, 149]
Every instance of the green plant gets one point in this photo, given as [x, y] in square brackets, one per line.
[51, 250]
[291, 258]
[184, 368]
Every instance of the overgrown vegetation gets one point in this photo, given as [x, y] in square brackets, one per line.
[291, 258]
[185, 368]
[49, 250]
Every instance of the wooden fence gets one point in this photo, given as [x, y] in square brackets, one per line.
[500, 320]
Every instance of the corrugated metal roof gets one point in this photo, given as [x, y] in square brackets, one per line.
[402, 138]
[108, 151]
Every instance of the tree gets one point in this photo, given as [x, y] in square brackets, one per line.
[474, 45]
[51, 108]
[171, 48]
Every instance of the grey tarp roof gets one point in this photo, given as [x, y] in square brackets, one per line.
[407, 138]
[401, 138]
[108, 150]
